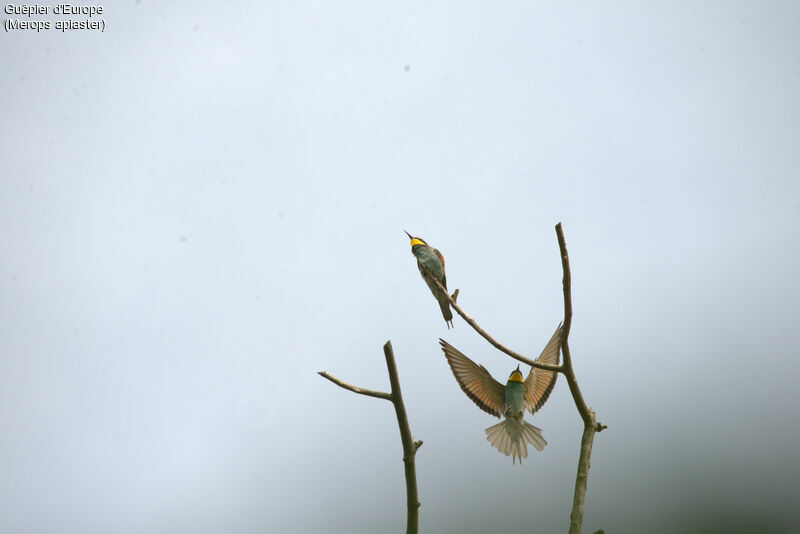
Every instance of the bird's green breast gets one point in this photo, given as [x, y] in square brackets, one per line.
[427, 257]
[515, 396]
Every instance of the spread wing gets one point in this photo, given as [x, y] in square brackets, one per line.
[475, 381]
[540, 382]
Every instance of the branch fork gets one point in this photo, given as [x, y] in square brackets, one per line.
[410, 446]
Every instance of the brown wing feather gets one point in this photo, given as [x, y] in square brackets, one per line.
[475, 381]
[540, 383]
[444, 273]
[440, 257]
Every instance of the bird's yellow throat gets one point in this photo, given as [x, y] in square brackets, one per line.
[516, 376]
[416, 241]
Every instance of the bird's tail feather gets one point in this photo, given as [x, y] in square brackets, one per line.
[511, 437]
[446, 313]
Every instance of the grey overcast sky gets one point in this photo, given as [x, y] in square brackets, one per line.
[204, 205]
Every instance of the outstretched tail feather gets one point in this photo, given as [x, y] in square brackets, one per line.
[511, 437]
[533, 435]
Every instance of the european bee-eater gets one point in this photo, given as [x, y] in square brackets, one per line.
[511, 436]
[432, 259]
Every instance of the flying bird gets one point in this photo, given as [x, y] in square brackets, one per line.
[512, 435]
[432, 259]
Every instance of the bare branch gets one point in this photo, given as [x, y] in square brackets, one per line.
[582, 478]
[355, 389]
[485, 334]
[569, 373]
[409, 446]
[590, 424]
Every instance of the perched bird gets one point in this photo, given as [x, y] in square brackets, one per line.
[432, 259]
[511, 436]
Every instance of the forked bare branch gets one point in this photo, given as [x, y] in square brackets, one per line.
[410, 446]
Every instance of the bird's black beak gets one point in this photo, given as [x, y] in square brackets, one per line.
[409, 235]
[520, 372]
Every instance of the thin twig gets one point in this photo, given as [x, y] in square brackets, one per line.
[355, 389]
[517, 356]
